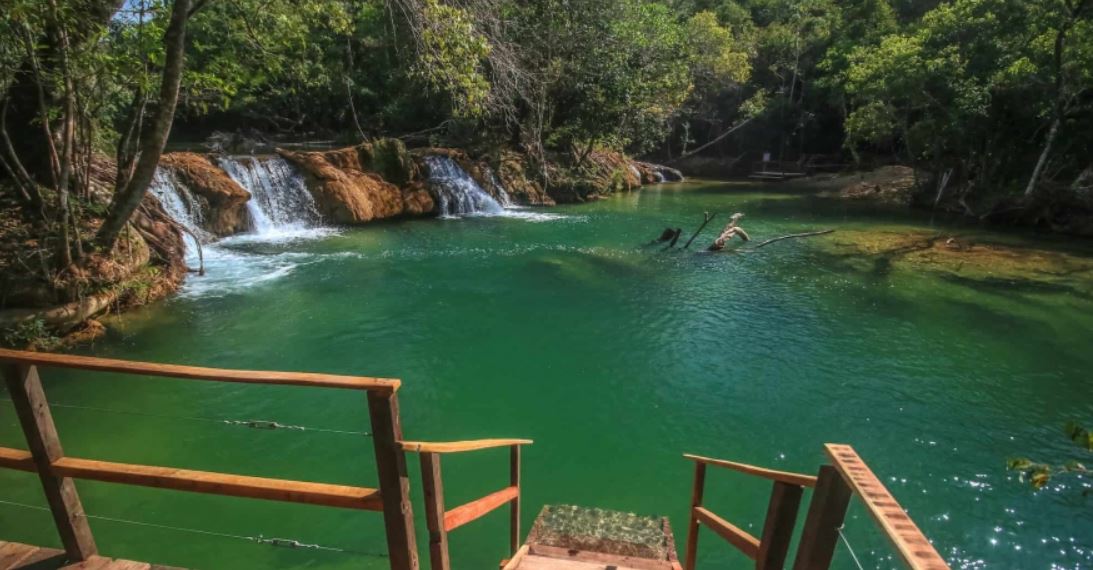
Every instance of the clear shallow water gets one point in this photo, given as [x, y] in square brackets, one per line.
[615, 358]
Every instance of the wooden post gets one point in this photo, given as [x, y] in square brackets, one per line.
[825, 515]
[31, 406]
[514, 507]
[434, 511]
[785, 500]
[697, 490]
[398, 516]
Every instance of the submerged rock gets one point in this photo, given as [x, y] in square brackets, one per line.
[346, 192]
[222, 200]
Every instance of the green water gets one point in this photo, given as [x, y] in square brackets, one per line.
[616, 359]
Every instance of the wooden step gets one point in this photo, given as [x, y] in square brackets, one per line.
[15, 555]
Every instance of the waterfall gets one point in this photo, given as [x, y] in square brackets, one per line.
[499, 188]
[456, 191]
[179, 203]
[280, 203]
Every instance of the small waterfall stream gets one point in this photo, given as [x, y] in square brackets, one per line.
[458, 193]
[280, 204]
[281, 209]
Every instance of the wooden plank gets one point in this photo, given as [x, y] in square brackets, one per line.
[474, 510]
[913, 547]
[381, 385]
[785, 501]
[433, 484]
[514, 506]
[324, 494]
[603, 559]
[93, 563]
[737, 537]
[772, 474]
[11, 458]
[128, 565]
[25, 391]
[459, 446]
[826, 513]
[697, 490]
[42, 559]
[514, 562]
[13, 553]
[398, 515]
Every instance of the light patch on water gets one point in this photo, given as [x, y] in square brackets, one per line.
[229, 270]
[520, 213]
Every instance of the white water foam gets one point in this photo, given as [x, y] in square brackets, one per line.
[282, 212]
[460, 196]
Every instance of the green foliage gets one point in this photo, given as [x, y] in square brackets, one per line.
[451, 57]
[33, 332]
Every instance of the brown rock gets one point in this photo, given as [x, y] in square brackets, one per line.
[223, 200]
[344, 193]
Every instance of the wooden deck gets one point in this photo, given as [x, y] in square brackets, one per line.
[28, 557]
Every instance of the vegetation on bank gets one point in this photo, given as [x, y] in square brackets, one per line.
[989, 101]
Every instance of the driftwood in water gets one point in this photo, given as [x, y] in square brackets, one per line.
[791, 236]
[730, 231]
[668, 234]
[707, 217]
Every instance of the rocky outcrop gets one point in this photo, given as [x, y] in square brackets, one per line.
[657, 173]
[146, 264]
[347, 192]
[602, 173]
[512, 170]
[222, 200]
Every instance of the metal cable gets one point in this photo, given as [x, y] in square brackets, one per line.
[260, 539]
[257, 424]
[849, 548]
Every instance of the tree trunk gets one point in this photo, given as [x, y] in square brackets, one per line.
[1042, 161]
[128, 199]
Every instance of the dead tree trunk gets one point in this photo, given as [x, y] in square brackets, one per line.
[730, 231]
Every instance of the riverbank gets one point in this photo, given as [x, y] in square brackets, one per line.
[197, 199]
[1056, 211]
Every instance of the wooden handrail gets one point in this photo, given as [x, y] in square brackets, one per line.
[478, 508]
[380, 385]
[460, 446]
[209, 482]
[913, 547]
[441, 521]
[772, 474]
[737, 537]
[17, 459]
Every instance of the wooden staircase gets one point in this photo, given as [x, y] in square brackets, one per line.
[562, 538]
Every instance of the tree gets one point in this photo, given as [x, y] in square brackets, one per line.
[135, 170]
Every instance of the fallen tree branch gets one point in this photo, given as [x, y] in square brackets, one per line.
[708, 216]
[790, 236]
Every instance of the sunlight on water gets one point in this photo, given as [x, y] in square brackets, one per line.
[615, 355]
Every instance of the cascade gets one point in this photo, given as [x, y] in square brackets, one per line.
[456, 191]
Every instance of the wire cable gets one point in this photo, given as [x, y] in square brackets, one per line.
[256, 424]
[259, 539]
[849, 548]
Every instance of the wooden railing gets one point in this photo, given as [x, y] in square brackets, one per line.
[57, 471]
[440, 521]
[833, 487]
[769, 551]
